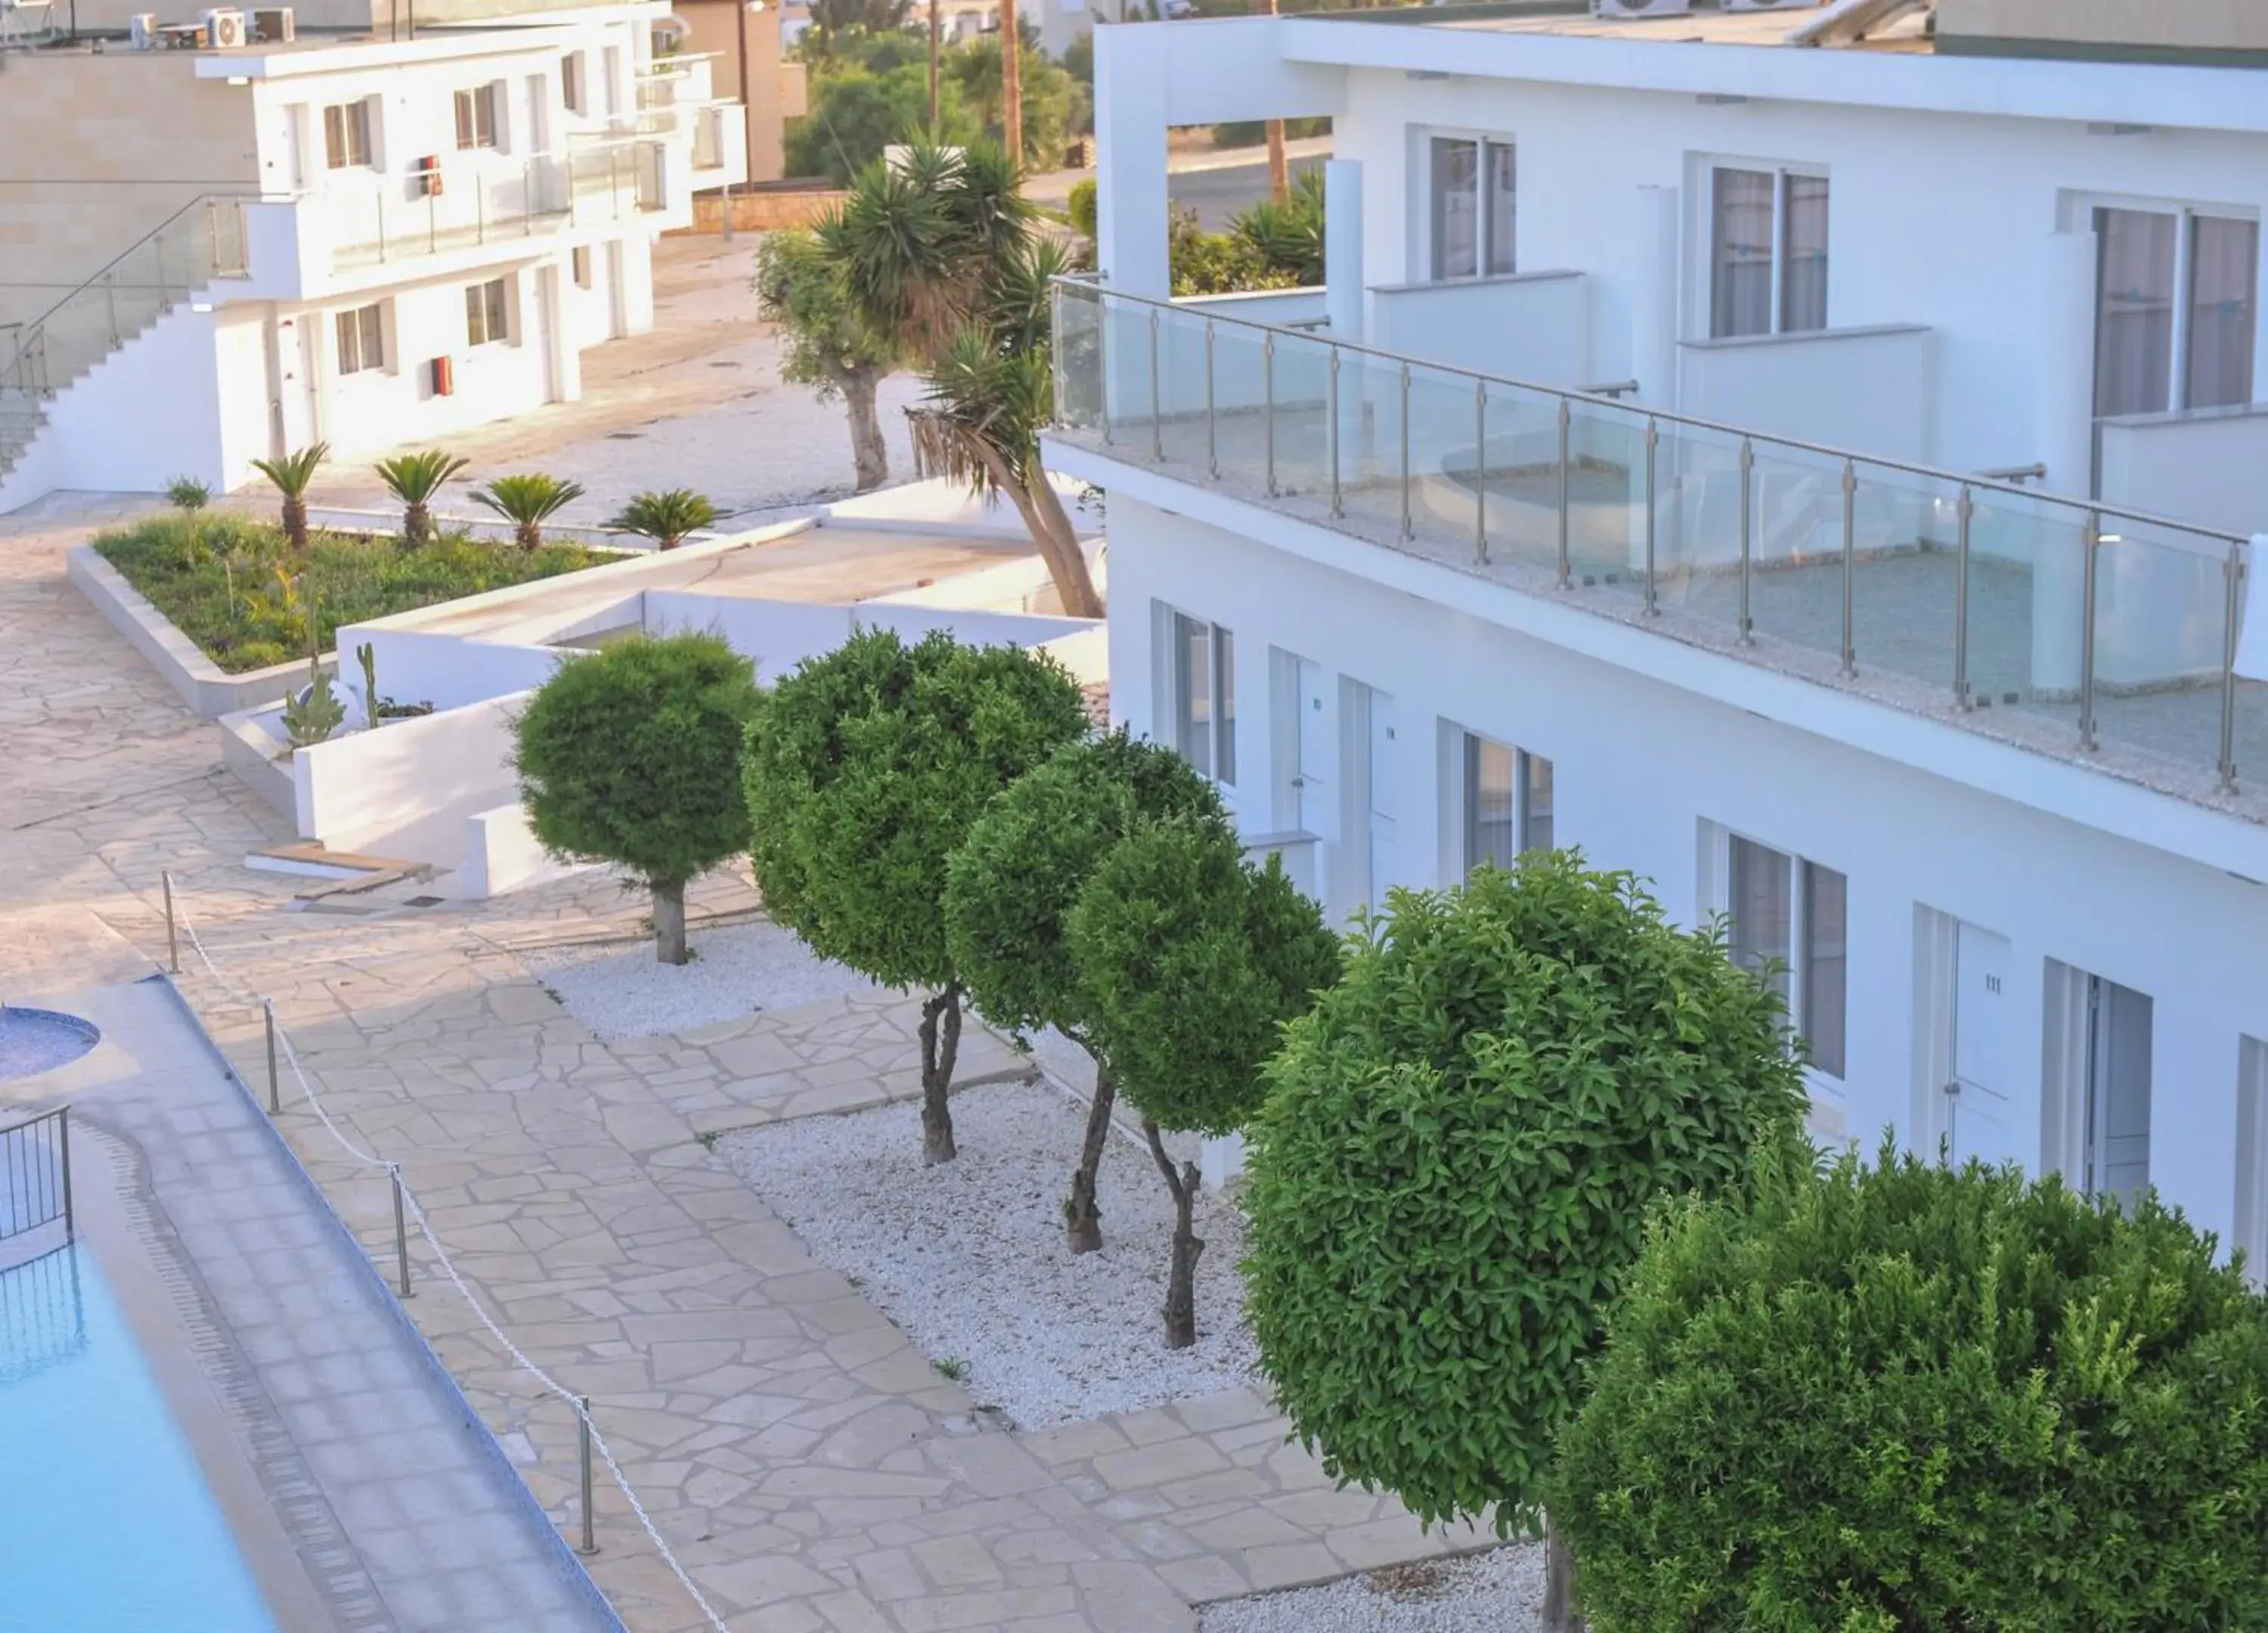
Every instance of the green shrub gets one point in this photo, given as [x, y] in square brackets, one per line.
[216, 576]
[1082, 205]
[1253, 132]
[1902, 1398]
[1449, 1177]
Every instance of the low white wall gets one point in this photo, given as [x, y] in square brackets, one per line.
[776, 635]
[2210, 467]
[975, 629]
[148, 412]
[1281, 308]
[938, 506]
[1867, 390]
[447, 671]
[1529, 326]
[502, 854]
[405, 791]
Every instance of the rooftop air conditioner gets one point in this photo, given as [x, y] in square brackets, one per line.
[1640, 8]
[274, 25]
[141, 31]
[224, 27]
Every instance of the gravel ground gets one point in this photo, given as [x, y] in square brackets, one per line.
[1500, 1591]
[734, 972]
[968, 1257]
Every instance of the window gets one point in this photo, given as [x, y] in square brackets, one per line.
[1790, 928]
[1767, 253]
[487, 313]
[1507, 800]
[2253, 1157]
[570, 81]
[579, 259]
[346, 135]
[1205, 696]
[476, 117]
[362, 338]
[2175, 307]
[1475, 207]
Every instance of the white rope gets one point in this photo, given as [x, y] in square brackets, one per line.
[417, 1212]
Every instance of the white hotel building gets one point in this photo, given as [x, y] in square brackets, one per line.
[1813, 472]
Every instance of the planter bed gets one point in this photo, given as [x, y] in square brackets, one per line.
[624, 993]
[1498, 1590]
[969, 1258]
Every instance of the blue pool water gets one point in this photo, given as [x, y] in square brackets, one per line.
[106, 1523]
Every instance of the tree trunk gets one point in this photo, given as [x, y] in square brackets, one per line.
[530, 535]
[295, 525]
[938, 1053]
[1074, 583]
[1561, 1613]
[870, 456]
[417, 525]
[1279, 172]
[1011, 85]
[1182, 1275]
[669, 922]
[1082, 1217]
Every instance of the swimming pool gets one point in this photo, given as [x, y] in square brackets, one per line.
[106, 1522]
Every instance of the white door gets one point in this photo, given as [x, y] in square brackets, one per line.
[1311, 773]
[2118, 1091]
[1379, 793]
[1982, 1116]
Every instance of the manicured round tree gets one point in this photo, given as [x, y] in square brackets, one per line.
[1014, 879]
[1194, 961]
[631, 755]
[1902, 1396]
[1459, 1147]
[865, 768]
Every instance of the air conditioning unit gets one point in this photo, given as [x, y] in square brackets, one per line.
[444, 373]
[224, 27]
[1640, 8]
[142, 30]
[274, 25]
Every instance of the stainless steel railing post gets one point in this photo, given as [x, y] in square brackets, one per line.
[2090, 542]
[1157, 402]
[401, 1233]
[173, 937]
[1850, 562]
[1104, 356]
[1408, 530]
[1331, 430]
[2230, 614]
[1652, 444]
[1268, 405]
[267, 1014]
[1213, 423]
[1965, 510]
[1748, 540]
[1480, 470]
[1566, 572]
[590, 1543]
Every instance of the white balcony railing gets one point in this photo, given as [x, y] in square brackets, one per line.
[384, 219]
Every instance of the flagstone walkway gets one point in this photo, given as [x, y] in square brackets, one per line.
[807, 1465]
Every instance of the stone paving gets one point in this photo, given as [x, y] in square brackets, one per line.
[808, 1467]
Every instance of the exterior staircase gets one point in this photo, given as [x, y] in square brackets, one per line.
[202, 240]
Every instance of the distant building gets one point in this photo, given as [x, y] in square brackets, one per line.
[234, 233]
[1806, 457]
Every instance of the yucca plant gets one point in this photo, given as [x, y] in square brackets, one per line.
[414, 479]
[527, 501]
[666, 517]
[293, 476]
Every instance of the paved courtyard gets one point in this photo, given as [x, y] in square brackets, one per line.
[808, 1467]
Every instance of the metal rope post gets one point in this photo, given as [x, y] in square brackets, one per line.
[172, 937]
[275, 1091]
[590, 1543]
[401, 1233]
[1849, 560]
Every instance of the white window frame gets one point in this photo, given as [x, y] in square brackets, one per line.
[368, 319]
[1459, 745]
[354, 123]
[1175, 629]
[474, 106]
[1428, 252]
[1798, 962]
[2079, 215]
[1704, 320]
[488, 331]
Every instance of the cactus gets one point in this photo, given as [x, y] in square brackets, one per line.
[367, 656]
[316, 712]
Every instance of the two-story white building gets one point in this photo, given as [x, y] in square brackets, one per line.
[370, 237]
[1804, 457]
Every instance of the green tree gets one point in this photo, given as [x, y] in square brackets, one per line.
[1194, 961]
[414, 479]
[527, 501]
[1900, 1397]
[1050, 98]
[1081, 207]
[840, 27]
[291, 476]
[856, 111]
[666, 517]
[1459, 1142]
[830, 347]
[187, 494]
[865, 768]
[631, 755]
[936, 252]
[1288, 232]
[1012, 882]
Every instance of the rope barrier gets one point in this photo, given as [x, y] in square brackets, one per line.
[417, 1211]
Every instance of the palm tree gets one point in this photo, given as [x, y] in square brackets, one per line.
[293, 476]
[414, 479]
[527, 502]
[666, 517]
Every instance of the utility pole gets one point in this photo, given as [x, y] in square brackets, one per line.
[936, 109]
[1012, 84]
[1279, 168]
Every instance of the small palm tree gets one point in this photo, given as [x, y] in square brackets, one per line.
[666, 517]
[293, 476]
[414, 479]
[527, 501]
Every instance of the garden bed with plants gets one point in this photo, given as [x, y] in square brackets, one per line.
[1498, 1590]
[235, 587]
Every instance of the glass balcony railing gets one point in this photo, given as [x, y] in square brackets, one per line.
[2083, 631]
[386, 218]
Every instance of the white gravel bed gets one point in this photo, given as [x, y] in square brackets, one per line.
[1500, 1591]
[735, 972]
[969, 1258]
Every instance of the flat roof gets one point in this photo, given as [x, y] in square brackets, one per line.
[1775, 27]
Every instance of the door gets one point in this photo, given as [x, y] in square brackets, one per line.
[1311, 779]
[1982, 1116]
[294, 420]
[1379, 794]
[2117, 1091]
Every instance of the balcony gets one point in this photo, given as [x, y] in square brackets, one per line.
[1533, 326]
[484, 202]
[2089, 633]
